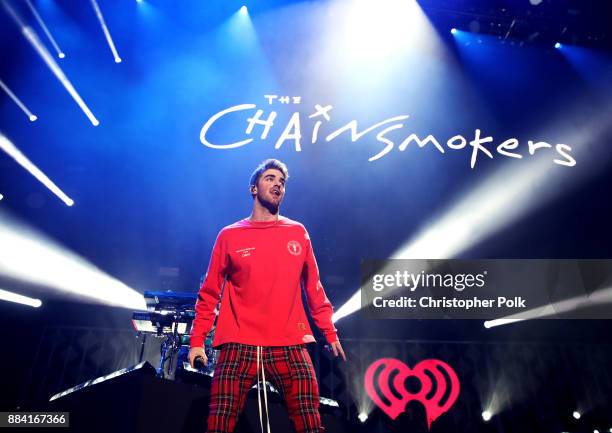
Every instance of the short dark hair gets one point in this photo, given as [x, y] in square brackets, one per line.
[266, 165]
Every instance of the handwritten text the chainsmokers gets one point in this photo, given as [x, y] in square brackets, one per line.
[480, 144]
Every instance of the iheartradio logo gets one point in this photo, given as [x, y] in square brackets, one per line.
[385, 380]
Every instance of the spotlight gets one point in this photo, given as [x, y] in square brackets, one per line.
[557, 45]
[395, 28]
[595, 431]
[105, 30]
[486, 415]
[19, 299]
[10, 149]
[454, 31]
[576, 414]
[17, 101]
[61, 55]
[1, 196]
[497, 322]
[42, 24]
[362, 417]
[244, 10]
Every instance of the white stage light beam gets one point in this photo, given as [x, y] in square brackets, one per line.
[42, 51]
[107, 34]
[349, 307]
[17, 101]
[42, 24]
[31, 257]
[599, 297]
[5, 295]
[7, 146]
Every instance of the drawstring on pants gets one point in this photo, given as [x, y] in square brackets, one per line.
[263, 378]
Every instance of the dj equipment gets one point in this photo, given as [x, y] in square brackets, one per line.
[169, 317]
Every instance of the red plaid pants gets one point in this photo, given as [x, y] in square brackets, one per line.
[288, 368]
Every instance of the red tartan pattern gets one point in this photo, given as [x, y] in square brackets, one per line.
[288, 368]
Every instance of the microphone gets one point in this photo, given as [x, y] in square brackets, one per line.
[199, 363]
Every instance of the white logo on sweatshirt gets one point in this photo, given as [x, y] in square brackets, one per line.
[245, 252]
[294, 247]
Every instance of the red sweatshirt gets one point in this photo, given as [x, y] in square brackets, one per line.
[262, 264]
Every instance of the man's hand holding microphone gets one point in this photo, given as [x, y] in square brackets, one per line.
[197, 357]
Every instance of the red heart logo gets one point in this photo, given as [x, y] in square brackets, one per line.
[434, 386]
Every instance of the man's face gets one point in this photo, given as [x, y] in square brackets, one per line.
[270, 188]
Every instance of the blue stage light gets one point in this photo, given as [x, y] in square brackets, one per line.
[557, 45]
[244, 10]
[454, 31]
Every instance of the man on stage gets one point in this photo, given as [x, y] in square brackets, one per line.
[262, 329]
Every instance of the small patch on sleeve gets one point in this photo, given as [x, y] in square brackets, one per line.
[308, 339]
